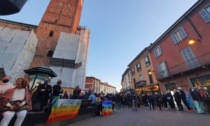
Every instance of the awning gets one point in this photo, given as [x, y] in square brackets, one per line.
[41, 70]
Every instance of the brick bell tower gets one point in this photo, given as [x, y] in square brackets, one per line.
[60, 16]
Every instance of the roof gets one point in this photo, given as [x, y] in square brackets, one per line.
[93, 77]
[138, 56]
[14, 22]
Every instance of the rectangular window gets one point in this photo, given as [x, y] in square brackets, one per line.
[178, 35]
[132, 71]
[162, 69]
[205, 14]
[146, 60]
[157, 51]
[189, 58]
[138, 66]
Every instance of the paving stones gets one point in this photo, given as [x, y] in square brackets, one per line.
[145, 117]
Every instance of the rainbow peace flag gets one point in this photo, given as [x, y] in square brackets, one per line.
[106, 107]
[64, 109]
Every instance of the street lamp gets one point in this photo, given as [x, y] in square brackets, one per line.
[193, 41]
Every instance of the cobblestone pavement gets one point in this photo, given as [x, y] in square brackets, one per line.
[145, 117]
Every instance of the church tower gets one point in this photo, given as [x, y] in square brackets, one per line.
[60, 16]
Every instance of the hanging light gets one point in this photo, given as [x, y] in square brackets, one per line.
[8, 7]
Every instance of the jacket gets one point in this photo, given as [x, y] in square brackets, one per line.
[10, 92]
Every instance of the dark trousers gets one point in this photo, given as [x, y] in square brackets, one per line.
[151, 105]
[171, 103]
[165, 104]
[179, 104]
[44, 102]
[159, 104]
[186, 104]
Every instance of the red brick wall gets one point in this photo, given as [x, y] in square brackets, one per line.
[60, 16]
[172, 53]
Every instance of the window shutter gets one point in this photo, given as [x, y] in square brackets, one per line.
[183, 33]
[173, 39]
[205, 15]
[160, 50]
[159, 68]
[154, 51]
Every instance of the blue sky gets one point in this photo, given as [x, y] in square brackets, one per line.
[120, 29]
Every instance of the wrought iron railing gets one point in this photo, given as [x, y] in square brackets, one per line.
[185, 66]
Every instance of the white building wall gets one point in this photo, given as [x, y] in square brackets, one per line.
[17, 49]
[79, 74]
[127, 84]
[72, 47]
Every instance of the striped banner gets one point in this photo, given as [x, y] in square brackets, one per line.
[64, 109]
[106, 107]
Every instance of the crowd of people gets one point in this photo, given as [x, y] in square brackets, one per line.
[197, 99]
[17, 99]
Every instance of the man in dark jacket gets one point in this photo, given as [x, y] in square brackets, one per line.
[178, 100]
[183, 98]
[44, 92]
[159, 100]
[57, 90]
[170, 100]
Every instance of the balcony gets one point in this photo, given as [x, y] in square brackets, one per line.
[185, 67]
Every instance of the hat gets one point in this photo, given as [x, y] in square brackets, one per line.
[179, 88]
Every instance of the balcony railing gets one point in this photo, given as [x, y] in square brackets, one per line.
[185, 66]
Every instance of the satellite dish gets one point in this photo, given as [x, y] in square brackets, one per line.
[8, 7]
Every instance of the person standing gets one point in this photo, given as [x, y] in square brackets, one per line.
[164, 101]
[158, 100]
[57, 90]
[44, 93]
[178, 100]
[183, 98]
[170, 100]
[197, 100]
[151, 101]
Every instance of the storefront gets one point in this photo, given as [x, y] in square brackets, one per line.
[148, 89]
[202, 80]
